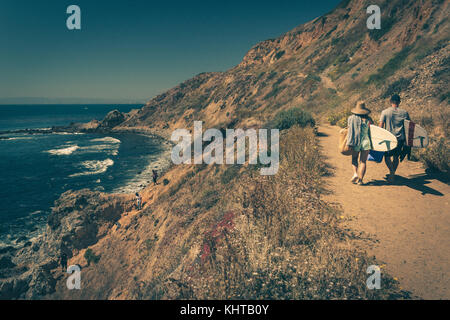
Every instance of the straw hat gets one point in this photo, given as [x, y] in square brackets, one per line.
[360, 109]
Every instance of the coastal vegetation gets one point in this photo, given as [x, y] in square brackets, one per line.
[294, 116]
[275, 238]
[225, 231]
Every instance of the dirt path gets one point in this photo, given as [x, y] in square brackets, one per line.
[410, 218]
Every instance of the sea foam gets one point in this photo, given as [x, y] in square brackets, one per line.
[107, 140]
[63, 151]
[94, 167]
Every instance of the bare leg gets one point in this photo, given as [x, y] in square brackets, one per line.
[395, 164]
[362, 164]
[355, 165]
[389, 164]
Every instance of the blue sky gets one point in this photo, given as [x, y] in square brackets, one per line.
[132, 49]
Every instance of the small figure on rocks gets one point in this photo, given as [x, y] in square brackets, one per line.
[155, 176]
[63, 261]
[138, 201]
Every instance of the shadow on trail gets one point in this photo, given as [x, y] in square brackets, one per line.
[321, 134]
[443, 177]
[417, 182]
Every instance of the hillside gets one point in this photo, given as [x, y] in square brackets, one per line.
[323, 65]
[226, 232]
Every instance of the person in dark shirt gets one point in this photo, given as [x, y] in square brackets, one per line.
[63, 261]
[392, 120]
[155, 176]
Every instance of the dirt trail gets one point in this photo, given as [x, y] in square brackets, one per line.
[410, 218]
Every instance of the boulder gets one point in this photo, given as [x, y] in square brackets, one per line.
[78, 220]
[112, 119]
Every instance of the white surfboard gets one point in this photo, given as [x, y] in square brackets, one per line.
[382, 140]
[415, 135]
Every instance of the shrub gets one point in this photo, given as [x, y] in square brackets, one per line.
[342, 68]
[208, 199]
[166, 182]
[229, 174]
[279, 54]
[295, 116]
[397, 87]
[275, 91]
[437, 156]
[386, 26]
[313, 77]
[445, 96]
[390, 67]
[90, 256]
[149, 243]
[339, 118]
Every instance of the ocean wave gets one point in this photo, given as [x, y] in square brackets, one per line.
[94, 167]
[107, 139]
[109, 149]
[63, 133]
[19, 138]
[63, 151]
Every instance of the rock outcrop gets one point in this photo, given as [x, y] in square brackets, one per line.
[78, 220]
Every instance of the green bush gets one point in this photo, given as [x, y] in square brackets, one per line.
[90, 256]
[339, 118]
[166, 182]
[295, 116]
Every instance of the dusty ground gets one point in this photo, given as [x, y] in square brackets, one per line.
[410, 219]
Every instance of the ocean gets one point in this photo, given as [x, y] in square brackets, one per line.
[35, 169]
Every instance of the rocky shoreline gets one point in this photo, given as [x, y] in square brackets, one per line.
[110, 124]
[77, 220]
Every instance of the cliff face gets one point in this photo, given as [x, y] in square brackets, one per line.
[324, 65]
[78, 220]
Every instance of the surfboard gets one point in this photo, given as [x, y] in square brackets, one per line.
[416, 136]
[382, 140]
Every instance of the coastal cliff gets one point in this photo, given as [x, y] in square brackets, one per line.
[222, 231]
[78, 220]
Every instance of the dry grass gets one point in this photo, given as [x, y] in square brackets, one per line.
[278, 240]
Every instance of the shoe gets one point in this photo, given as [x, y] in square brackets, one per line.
[391, 178]
[354, 179]
[360, 182]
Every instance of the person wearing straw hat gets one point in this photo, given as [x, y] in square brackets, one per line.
[359, 140]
